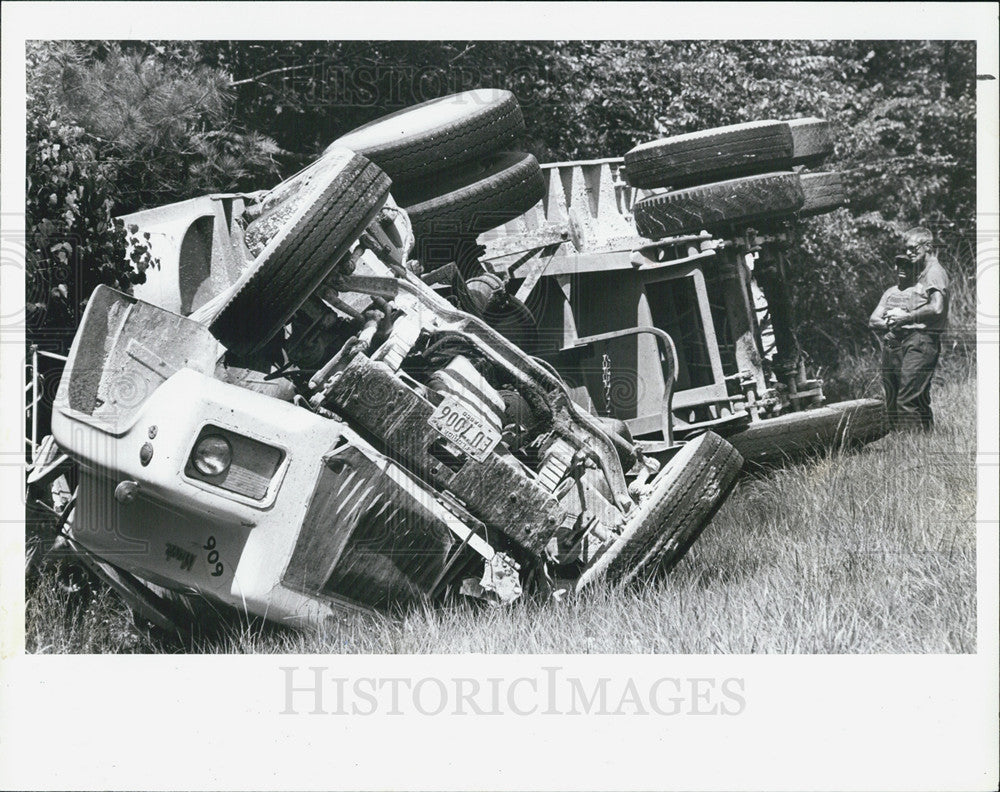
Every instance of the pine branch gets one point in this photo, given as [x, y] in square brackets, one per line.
[258, 77]
[463, 52]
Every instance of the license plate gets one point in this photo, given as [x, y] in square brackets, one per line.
[467, 430]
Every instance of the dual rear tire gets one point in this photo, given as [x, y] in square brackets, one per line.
[726, 152]
[450, 162]
[721, 179]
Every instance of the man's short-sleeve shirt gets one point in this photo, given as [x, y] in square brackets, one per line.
[933, 278]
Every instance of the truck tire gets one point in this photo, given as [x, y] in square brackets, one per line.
[419, 141]
[823, 192]
[848, 424]
[692, 486]
[725, 152]
[719, 205]
[812, 141]
[476, 198]
[340, 200]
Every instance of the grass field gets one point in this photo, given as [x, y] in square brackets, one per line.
[867, 552]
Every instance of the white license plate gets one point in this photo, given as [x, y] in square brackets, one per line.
[470, 432]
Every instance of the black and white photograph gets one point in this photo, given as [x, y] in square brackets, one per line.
[527, 388]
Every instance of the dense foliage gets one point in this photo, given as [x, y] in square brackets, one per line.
[110, 131]
[163, 121]
[903, 115]
[72, 244]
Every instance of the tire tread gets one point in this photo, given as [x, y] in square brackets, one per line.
[822, 192]
[298, 259]
[719, 205]
[727, 152]
[484, 131]
[686, 505]
[481, 205]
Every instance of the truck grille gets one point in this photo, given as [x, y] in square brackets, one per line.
[366, 538]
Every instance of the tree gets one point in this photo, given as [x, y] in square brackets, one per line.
[72, 243]
[111, 129]
[175, 119]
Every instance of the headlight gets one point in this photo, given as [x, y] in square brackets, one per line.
[233, 462]
[212, 456]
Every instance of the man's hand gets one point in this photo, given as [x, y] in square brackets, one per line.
[895, 317]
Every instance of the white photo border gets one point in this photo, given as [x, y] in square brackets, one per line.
[817, 722]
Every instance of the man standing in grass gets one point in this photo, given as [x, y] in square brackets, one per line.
[911, 317]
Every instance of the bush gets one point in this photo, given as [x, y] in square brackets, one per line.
[111, 131]
[164, 122]
[74, 243]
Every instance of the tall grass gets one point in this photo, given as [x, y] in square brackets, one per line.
[870, 551]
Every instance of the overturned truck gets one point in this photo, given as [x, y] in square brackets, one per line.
[328, 397]
[655, 283]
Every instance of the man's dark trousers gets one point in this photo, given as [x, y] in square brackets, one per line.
[907, 368]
